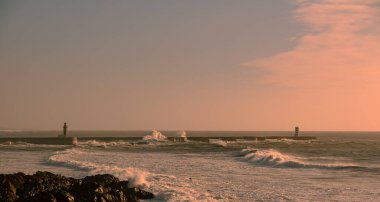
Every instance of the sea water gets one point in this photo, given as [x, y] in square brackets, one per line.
[341, 166]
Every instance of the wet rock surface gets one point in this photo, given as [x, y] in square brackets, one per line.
[46, 186]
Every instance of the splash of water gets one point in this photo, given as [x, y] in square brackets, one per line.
[156, 136]
[182, 135]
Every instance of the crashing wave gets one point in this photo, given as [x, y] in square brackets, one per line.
[181, 136]
[154, 137]
[274, 158]
[136, 178]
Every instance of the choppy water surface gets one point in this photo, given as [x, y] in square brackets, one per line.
[336, 166]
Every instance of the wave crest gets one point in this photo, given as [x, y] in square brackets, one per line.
[155, 136]
[274, 158]
[135, 177]
[218, 142]
[95, 143]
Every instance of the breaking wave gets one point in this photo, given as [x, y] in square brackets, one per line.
[154, 137]
[166, 187]
[135, 177]
[183, 135]
[218, 142]
[274, 158]
[95, 143]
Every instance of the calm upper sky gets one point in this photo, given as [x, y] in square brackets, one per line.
[191, 65]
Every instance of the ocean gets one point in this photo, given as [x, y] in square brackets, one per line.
[337, 166]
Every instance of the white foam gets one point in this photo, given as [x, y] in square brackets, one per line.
[245, 141]
[171, 188]
[155, 135]
[274, 158]
[153, 138]
[95, 143]
[289, 141]
[218, 142]
[166, 187]
[183, 135]
[135, 177]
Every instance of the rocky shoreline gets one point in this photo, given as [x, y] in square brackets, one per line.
[46, 186]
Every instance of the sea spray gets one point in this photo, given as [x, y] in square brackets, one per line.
[182, 135]
[155, 136]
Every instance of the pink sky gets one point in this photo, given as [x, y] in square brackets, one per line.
[190, 65]
[333, 71]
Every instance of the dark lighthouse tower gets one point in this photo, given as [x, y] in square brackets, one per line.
[65, 129]
[296, 131]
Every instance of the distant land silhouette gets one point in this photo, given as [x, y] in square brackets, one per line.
[5, 129]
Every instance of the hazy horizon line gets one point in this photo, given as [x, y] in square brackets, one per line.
[173, 130]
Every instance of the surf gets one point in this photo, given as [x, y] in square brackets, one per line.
[276, 159]
[136, 177]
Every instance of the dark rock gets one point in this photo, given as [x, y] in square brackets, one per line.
[104, 179]
[45, 186]
[7, 191]
[44, 197]
[17, 180]
[63, 196]
[123, 185]
[113, 197]
[141, 194]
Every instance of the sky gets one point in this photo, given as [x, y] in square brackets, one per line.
[190, 65]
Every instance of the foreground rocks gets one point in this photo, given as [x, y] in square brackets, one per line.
[45, 186]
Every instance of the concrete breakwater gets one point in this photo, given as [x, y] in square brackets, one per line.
[42, 140]
[252, 138]
[74, 140]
